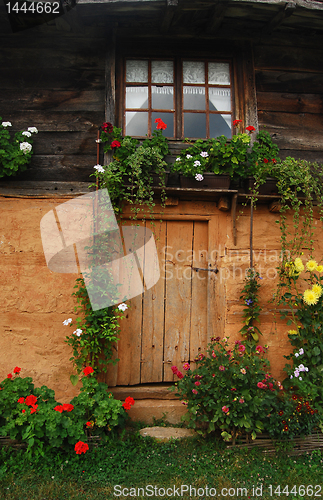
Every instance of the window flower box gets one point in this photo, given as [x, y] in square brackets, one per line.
[210, 181]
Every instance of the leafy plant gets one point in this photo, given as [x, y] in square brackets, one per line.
[96, 332]
[16, 152]
[31, 415]
[230, 389]
[135, 163]
[252, 311]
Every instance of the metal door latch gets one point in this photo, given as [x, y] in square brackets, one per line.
[205, 269]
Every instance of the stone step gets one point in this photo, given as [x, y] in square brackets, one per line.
[167, 433]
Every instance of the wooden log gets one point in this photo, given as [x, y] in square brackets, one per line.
[290, 102]
[285, 81]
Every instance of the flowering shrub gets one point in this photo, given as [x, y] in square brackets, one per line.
[15, 154]
[230, 389]
[252, 310]
[135, 161]
[305, 314]
[221, 155]
[293, 416]
[32, 415]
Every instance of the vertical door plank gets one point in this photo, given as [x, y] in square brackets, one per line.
[198, 337]
[216, 305]
[153, 316]
[129, 345]
[178, 295]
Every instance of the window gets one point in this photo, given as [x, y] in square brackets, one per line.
[196, 104]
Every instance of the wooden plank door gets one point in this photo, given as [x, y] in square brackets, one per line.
[174, 320]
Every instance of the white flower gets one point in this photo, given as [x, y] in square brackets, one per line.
[301, 368]
[178, 159]
[199, 177]
[6, 124]
[26, 133]
[99, 168]
[122, 307]
[296, 354]
[33, 130]
[197, 163]
[67, 321]
[188, 156]
[306, 369]
[25, 147]
[300, 378]
[98, 141]
[78, 332]
[204, 154]
[301, 351]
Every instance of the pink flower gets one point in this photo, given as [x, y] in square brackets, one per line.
[241, 400]
[194, 391]
[225, 409]
[179, 374]
[197, 383]
[174, 369]
[221, 368]
[213, 354]
[213, 375]
[261, 385]
[186, 366]
[243, 371]
[242, 348]
[259, 348]
[233, 389]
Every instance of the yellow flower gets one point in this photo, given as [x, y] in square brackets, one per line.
[310, 298]
[319, 269]
[311, 265]
[293, 332]
[317, 289]
[299, 266]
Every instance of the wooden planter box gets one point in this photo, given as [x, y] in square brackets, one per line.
[269, 187]
[210, 181]
[156, 179]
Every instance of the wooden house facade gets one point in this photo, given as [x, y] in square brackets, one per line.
[69, 75]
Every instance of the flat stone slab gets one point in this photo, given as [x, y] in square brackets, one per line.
[167, 433]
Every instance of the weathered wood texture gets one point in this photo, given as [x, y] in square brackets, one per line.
[289, 83]
[57, 84]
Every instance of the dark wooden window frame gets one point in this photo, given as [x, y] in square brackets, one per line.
[178, 85]
[240, 54]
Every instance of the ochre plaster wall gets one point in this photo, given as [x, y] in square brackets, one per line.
[35, 301]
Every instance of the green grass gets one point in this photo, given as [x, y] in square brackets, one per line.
[134, 462]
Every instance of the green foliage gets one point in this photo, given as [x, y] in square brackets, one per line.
[136, 163]
[16, 152]
[230, 389]
[221, 155]
[304, 311]
[32, 415]
[98, 331]
[252, 311]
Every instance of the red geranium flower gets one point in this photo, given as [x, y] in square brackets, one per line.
[87, 370]
[236, 122]
[115, 144]
[130, 400]
[265, 160]
[179, 374]
[23, 411]
[21, 400]
[250, 129]
[59, 408]
[126, 406]
[174, 369]
[161, 125]
[67, 407]
[9, 375]
[17, 369]
[81, 447]
[274, 161]
[88, 424]
[33, 409]
[30, 400]
[107, 127]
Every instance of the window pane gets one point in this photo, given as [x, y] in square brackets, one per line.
[136, 123]
[137, 71]
[167, 118]
[220, 125]
[220, 99]
[162, 72]
[193, 72]
[194, 125]
[137, 97]
[219, 73]
[194, 97]
[162, 97]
